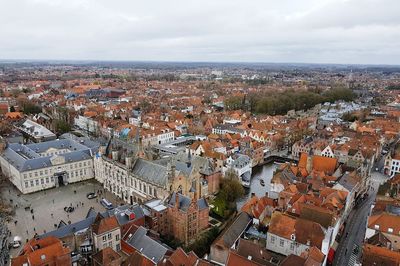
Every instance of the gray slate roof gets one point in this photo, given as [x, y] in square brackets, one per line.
[146, 245]
[27, 157]
[151, 172]
[184, 202]
[121, 213]
[236, 229]
[70, 228]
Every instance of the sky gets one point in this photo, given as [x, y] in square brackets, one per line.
[276, 31]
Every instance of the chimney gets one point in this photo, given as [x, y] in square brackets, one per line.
[114, 155]
[309, 165]
[253, 194]
[266, 193]
[128, 162]
[176, 200]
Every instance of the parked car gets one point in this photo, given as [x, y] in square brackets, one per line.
[91, 195]
[69, 209]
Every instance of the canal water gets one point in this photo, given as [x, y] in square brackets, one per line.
[259, 172]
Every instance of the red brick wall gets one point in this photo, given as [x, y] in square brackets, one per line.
[213, 182]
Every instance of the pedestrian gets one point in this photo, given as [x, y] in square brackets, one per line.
[33, 217]
[345, 252]
[34, 229]
[51, 215]
[82, 203]
[15, 222]
[27, 232]
[53, 201]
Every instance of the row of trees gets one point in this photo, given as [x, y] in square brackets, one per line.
[279, 103]
[393, 87]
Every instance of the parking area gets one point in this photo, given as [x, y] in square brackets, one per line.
[41, 212]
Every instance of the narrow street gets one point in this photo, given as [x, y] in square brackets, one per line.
[354, 233]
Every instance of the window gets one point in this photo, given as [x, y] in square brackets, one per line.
[390, 230]
[46, 171]
[104, 238]
[291, 246]
[25, 176]
[281, 243]
[26, 184]
[118, 247]
[47, 180]
[109, 235]
[376, 226]
[35, 173]
[272, 239]
[42, 181]
[32, 183]
[37, 182]
[117, 237]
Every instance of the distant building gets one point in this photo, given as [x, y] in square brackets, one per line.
[35, 132]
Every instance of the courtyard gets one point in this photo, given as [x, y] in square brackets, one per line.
[42, 211]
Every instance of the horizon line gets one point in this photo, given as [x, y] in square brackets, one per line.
[189, 61]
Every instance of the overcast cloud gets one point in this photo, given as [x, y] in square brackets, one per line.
[309, 31]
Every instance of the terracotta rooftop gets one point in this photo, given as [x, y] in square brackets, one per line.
[102, 225]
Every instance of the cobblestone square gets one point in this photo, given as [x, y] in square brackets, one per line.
[42, 211]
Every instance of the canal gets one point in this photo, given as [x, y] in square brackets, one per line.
[265, 172]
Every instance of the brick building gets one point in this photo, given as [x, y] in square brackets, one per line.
[187, 218]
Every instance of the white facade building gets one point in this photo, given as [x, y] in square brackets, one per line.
[44, 165]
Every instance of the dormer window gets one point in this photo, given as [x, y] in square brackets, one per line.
[377, 226]
[390, 230]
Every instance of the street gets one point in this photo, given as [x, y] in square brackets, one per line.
[353, 235]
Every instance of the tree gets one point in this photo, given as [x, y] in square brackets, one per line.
[231, 188]
[31, 108]
[62, 127]
[233, 102]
